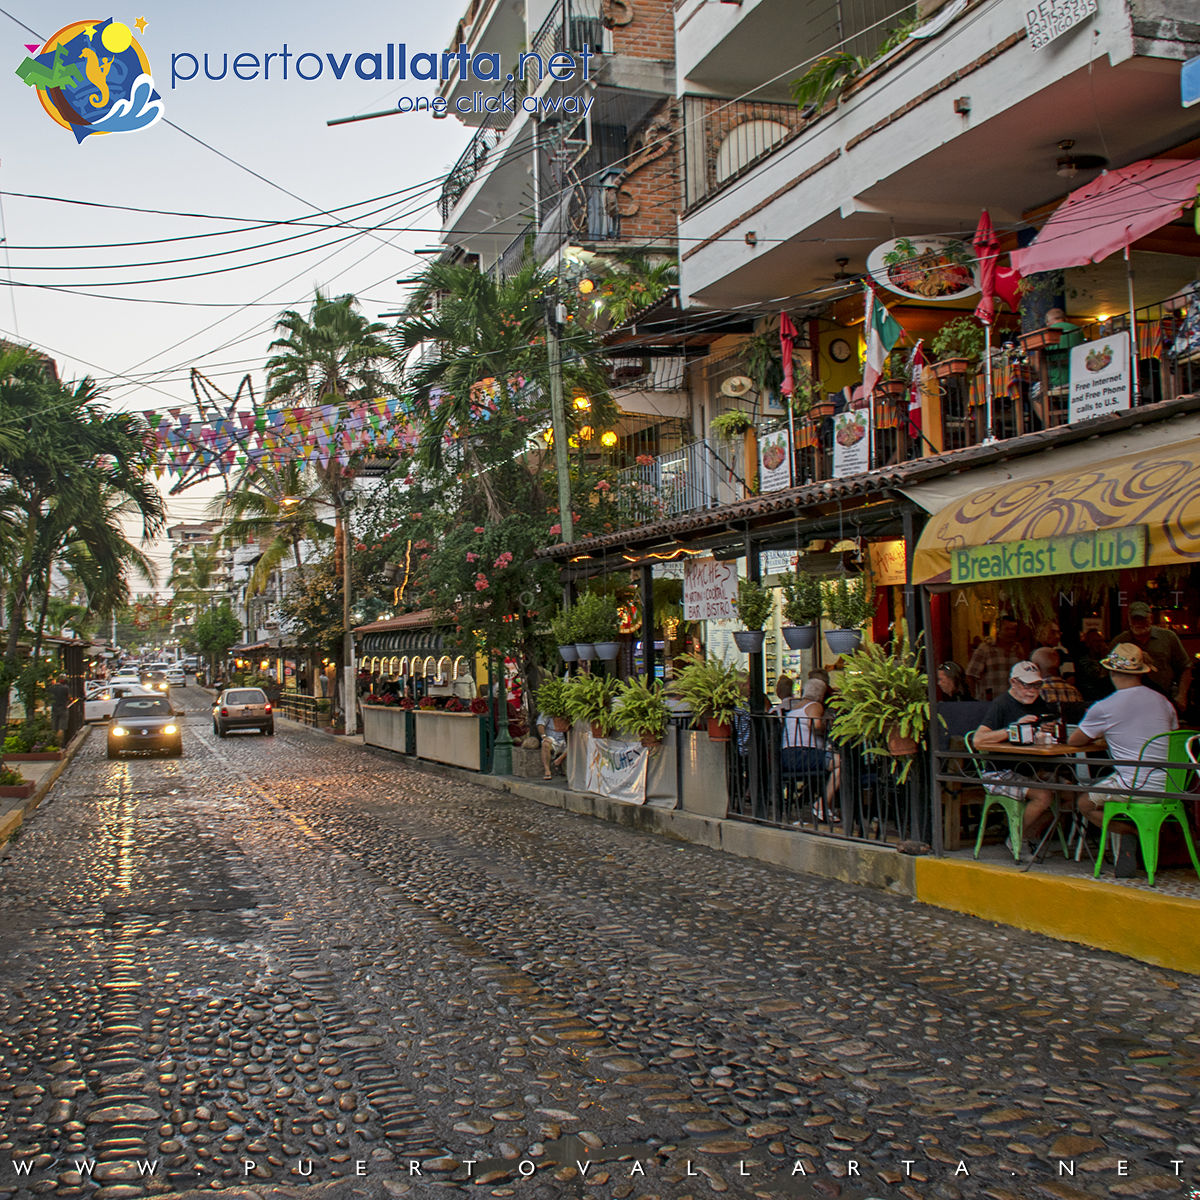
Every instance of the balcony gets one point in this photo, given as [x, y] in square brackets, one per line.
[474, 158]
[704, 474]
[570, 27]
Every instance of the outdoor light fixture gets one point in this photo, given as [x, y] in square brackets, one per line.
[581, 402]
[587, 286]
[548, 435]
[1069, 165]
[586, 432]
[608, 438]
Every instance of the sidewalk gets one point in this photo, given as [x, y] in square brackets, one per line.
[44, 775]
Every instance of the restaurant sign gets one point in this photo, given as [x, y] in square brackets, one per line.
[1047, 19]
[709, 590]
[1071, 554]
[1099, 377]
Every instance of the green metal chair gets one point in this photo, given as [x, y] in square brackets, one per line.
[1149, 814]
[1015, 809]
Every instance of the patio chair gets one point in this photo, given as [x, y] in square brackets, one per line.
[1149, 813]
[1013, 808]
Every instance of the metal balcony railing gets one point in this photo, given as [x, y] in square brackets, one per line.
[570, 26]
[704, 474]
[474, 158]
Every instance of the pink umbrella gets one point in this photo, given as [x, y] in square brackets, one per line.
[1109, 213]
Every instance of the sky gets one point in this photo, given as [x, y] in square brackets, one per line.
[255, 148]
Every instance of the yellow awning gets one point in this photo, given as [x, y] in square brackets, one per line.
[1158, 488]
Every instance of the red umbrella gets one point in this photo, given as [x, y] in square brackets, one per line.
[987, 250]
[787, 338]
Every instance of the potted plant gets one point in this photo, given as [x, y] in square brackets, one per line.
[753, 607]
[552, 700]
[957, 346]
[14, 786]
[596, 624]
[731, 424]
[642, 710]
[713, 691]
[847, 608]
[564, 636]
[590, 699]
[802, 607]
[883, 702]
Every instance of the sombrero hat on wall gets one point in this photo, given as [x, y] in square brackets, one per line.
[737, 385]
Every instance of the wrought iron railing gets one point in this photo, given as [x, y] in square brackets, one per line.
[569, 27]
[515, 253]
[700, 475]
[474, 158]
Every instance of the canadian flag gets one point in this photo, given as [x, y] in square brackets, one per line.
[917, 364]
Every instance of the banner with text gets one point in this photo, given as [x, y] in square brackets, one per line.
[774, 452]
[617, 769]
[709, 590]
[1100, 377]
[852, 442]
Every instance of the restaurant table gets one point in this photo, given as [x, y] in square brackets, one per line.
[1054, 750]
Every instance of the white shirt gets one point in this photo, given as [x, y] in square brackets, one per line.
[1127, 720]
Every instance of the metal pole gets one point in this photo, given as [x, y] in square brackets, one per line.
[558, 423]
[349, 675]
[989, 434]
[1133, 338]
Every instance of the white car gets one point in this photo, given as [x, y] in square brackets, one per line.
[100, 706]
[176, 677]
[92, 686]
[125, 677]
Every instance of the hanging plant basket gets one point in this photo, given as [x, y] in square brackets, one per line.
[899, 746]
[598, 730]
[800, 637]
[585, 650]
[1037, 339]
[749, 641]
[718, 731]
[607, 651]
[948, 368]
[820, 409]
[650, 741]
[843, 641]
[569, 653]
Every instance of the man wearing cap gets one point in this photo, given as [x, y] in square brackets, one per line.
[1170, 668]
[1127, 720]
[1022, 704]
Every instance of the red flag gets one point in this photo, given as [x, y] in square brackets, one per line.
[917, 363]
[787, 338]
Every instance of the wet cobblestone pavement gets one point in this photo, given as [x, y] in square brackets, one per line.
[287, 967]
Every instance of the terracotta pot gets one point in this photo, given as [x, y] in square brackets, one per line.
[598, 730]
[820, 409]
[718, 731]
[561, 724]
[650, 741]
[899, 745]
[1035, 339]
[949, 367]
[800, 637]
[891, 387]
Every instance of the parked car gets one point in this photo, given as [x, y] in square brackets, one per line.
[144, 724]
[100, 706]
[243, 708]
[92, 686]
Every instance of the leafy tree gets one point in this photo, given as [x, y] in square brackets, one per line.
[216, 631]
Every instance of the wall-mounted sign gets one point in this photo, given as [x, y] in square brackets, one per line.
[851, 442]
[925, 268]
[709, 588]
[1099, 377]
[888, 565]
[1046, 19]
[773, 455]
[1075, 553]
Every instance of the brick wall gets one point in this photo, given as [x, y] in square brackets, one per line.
[655, 188]
[651, 33]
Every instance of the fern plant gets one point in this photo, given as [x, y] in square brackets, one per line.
[590, 698]
[710, 688]
[642, 709]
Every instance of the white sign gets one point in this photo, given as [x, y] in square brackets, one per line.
[617, 768]
[931, 268]
[1045, 20]
[1099, 377]
[709, 589]
[852, 442]
[777, 562]
[773, 455]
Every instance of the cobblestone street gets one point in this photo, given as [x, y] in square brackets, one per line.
[281, 964]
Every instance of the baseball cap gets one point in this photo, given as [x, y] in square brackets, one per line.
[1139, 608]
[1025, 672]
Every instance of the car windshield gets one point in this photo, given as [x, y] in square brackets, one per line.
[246, 696]
[143, 706]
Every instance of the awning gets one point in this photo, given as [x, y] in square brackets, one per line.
[1110, 213]
[424, 642]
[1158, 488]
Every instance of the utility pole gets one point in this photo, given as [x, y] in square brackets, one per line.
[349, 674]
[558, 421]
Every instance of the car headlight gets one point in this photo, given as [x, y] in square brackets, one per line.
[118, 731]
[170, 729]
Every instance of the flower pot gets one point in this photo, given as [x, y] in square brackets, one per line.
[561, 724]
[598, 730]
[800, 637]
[1036, 339]
[949, 367]
[900, 746]
[585, 650]
[607, 651]
[568, 653]
[718, 731]
[650, 741]
[891, 388]
[16, 791]
[843, 641]
[820, 409]
[749, 641]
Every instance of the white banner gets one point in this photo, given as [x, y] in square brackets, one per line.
[773, 455]
[852, 442]
[617, 769]
[1099, 377]
[709, 589]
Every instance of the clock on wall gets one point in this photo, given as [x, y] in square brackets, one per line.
[839, 350]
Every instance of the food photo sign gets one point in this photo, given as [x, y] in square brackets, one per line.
[1099, 378]
[933, 268]
[852, 442]
[773, 466]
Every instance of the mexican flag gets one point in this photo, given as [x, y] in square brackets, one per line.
[883, 331]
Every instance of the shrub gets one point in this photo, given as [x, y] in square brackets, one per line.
[801, 598]
[590, 699]
[753, 603]
[846, 603]
[710, 688]
[552, 699]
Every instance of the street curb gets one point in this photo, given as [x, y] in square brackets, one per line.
[12, 820]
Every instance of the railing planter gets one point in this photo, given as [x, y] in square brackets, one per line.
[950, 367]
[820, 409]
[457, 739]
[891, 388]
[568, 653]
[1037, 339]
[800, 637]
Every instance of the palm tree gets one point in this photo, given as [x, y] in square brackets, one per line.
[332, 354]
[193, 568]
[67, 468]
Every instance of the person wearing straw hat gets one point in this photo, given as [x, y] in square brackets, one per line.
[1127, 720]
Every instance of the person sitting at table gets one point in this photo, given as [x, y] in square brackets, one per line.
[1022, 704]
[1055, 689]
[785, 695]
[1126, 720]
[952, 683]
[805, 751]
